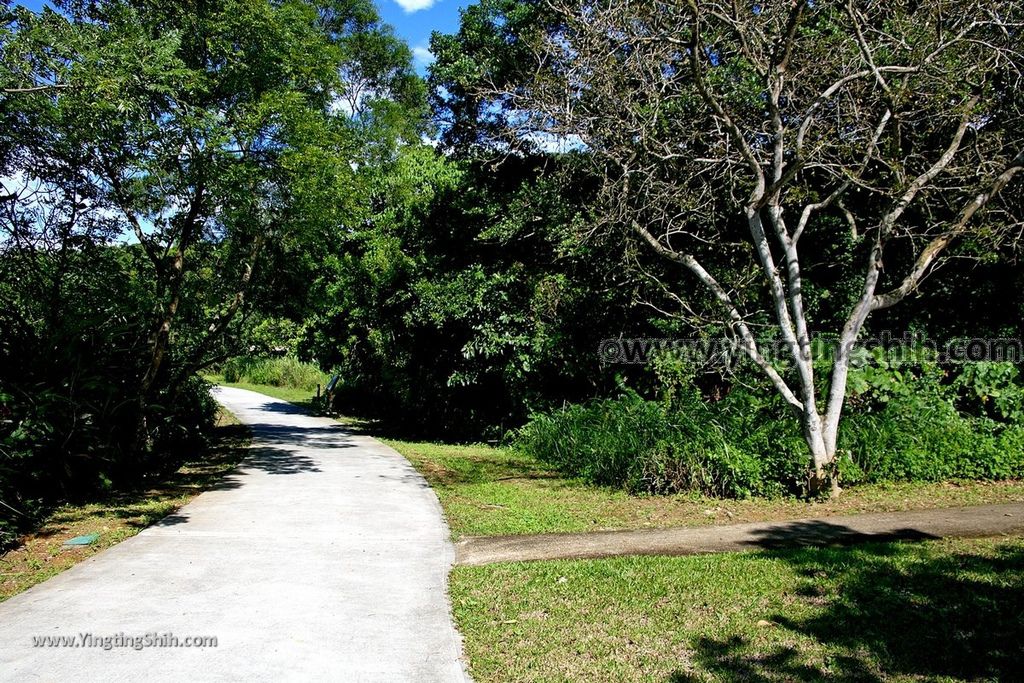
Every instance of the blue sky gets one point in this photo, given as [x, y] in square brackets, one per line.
[414, 20]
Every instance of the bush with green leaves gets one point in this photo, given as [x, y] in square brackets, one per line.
[649, 447]
[920, 421]
[286, 371]
[69, 384]
[994, 389]
[921, 436]
[904, 425]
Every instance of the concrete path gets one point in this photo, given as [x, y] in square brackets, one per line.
[325, 557]
[986, 520]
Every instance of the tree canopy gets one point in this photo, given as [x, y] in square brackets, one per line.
[159, 159]
[726, 137]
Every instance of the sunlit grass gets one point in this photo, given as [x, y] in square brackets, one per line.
[300, 397]
[946, 610]
[494, 491]
[487, 491]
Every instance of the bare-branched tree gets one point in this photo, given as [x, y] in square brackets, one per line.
[898, 121]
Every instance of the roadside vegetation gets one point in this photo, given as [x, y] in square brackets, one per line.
[918, 423]
[147, 236]
[488, 490]
[938, 610]
[286, 372]
[41, 553]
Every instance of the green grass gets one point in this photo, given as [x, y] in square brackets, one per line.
[494, 491]
[41, 554]
[944, 610]
[282, 371]
[489, 491]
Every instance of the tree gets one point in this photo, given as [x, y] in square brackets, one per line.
[204, 134]
[455, 309]
[726, 133]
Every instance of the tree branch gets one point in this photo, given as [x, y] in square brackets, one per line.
[749, 344]
[935, 248]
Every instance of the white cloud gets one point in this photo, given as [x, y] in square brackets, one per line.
[422, 56]
[415, 5]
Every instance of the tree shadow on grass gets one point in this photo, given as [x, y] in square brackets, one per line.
[885, 610]
[483, 470]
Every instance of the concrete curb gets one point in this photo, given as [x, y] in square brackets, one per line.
[963, 522]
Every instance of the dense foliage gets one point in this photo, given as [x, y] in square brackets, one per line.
[286, 371]
[168, 171]
[257, 187]
[457, 309]
[910, 424]
[743, 144]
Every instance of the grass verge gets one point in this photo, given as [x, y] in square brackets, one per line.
[488, 491]
[41, 554]
[943, 610]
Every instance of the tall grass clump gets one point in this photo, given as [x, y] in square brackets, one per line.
[285, 371]
[645, 447]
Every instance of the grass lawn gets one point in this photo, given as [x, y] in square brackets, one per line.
[41, 554]
[488, 491]
[941, 610]
[492, 491]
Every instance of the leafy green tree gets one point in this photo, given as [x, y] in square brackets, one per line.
[212, 131]
[161, 162]
[457, 309]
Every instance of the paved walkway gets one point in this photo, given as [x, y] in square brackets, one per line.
[985, 520]
[325, 557]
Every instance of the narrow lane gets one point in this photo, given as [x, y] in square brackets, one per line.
[324, 557]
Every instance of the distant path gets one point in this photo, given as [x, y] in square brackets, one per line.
[986, 520]
[325, 557]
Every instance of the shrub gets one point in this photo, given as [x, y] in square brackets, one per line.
[286, 371]
[645, 446]
[904, 429]
[599, 441]
[55, 447]
[917, 433]
[772, 436]
[179, 428]
[993, 388]
[924, 438]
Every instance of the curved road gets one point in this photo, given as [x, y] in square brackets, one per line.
[324, 557]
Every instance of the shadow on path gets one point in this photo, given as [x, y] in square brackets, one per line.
[818, 532]
[327, 436]
[279, 461]
[285, 408]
